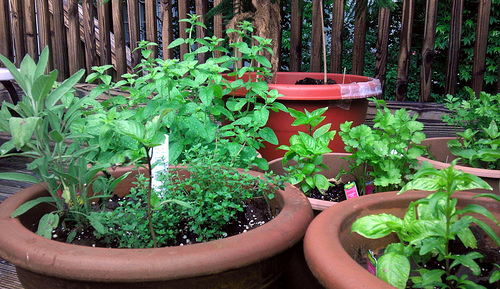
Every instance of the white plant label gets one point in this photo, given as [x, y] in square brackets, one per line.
[159, 162]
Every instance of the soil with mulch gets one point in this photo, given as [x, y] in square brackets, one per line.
[485, 246]
[256, 213]
[312, 81]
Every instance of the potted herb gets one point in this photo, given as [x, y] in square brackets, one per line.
[424, 224]
[477, 139]
[383, 157]
[207, 134]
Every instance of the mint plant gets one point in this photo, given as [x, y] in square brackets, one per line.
[478, 145]
[307, 149]
[427, 229]
[387, 154]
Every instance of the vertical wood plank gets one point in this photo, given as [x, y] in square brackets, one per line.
[428, 50]
[201, 10]
[404, 50]
[5, 32]
[89, 34]
[296, 36]
[104, 33]
[358, 53]
[167, 28]
[454, 46]
[316, 37]
[134, 30]
[31, 34]
[18, 30]
[60, 40]
[337, 34]
[384, 16]
[183, 8]
[483, 21]
[44, 32]
[119, 33]
[151, 25]
[75, 54]
[217, 27]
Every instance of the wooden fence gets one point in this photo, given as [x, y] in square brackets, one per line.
[84, 35]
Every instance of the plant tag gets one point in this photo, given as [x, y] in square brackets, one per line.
[351, 191]
[159, 161]
[371, 263]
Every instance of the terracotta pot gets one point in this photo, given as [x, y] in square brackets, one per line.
[297, 274]
[441, 157]
[346, 101]
[334, 161]
[254, 259]
[329, 245]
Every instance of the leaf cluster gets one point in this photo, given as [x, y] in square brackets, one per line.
[306, 150]
[426, 230]
[387, 153]
[194, 201]
[42, 128]
[478, 144]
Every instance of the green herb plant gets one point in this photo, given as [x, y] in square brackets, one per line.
[196, 203]
[41, 128]
[306, 151]
[478, 145]
[427, 229]
[193, 104]
[387, 154]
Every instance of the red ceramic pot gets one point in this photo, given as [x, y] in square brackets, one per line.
[254, 259]
[346, 101]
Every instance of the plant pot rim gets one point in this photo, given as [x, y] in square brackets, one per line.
[357, 86]
[325, 254]
[32, 252]
[484, 173]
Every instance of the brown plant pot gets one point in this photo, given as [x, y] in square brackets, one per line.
[334, 161]
[346, 101]
[441, 157]
[297, 274]
[330, 247]
[254, 259]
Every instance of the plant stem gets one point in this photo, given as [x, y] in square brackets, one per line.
[150, 188]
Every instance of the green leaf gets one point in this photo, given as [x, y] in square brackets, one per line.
[48, 223]
[268, 135]
[22, 129]
[30, 204]
[374, 226]
[19, 177]
[96, 223]
[68, 84]
[394, 269]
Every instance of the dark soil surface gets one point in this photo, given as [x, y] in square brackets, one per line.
[334, 194]
[485, 246]
[312, 81]
[256, 213]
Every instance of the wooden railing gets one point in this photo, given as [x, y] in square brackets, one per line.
[84, 35]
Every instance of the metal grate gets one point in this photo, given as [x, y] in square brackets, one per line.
[8, 276]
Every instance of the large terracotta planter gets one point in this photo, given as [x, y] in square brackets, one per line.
[334, 161]
[329, 245]
[346, 101]
[254, 259]
[441, 157]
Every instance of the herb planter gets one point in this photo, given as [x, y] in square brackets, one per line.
[346, 101]
[334, 161]
[254, 259]
[330, 248]
[441, 157]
